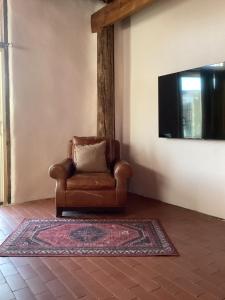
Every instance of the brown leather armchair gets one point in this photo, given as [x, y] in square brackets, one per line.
[91, 190]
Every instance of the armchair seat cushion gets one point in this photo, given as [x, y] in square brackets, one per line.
[91, 181]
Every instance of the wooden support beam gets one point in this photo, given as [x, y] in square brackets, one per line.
[116, 11]
[106, 90]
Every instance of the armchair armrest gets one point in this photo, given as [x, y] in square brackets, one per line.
[62, 170]
[122, 170]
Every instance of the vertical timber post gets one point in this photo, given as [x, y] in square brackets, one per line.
[106, 85]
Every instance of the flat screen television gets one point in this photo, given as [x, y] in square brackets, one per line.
[192, 103]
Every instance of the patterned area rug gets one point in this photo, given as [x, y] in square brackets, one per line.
[92, 237]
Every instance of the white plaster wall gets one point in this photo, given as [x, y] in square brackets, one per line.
[53, 87]
[167, 37]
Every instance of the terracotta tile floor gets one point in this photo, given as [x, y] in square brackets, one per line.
[198, 273]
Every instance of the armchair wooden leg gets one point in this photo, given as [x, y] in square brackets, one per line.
[59, 211]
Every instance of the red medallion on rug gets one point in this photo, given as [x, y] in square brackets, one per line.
[92, 237]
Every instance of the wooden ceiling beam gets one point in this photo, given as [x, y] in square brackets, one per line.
[116, 11]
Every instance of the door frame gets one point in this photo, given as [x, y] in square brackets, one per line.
[4, 45]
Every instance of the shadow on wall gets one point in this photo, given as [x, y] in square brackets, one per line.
[150, 181]
[122, 85]
[125, 151]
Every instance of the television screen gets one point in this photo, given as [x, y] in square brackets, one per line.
[192, 103]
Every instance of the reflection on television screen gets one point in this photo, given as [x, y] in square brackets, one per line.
[192, 103]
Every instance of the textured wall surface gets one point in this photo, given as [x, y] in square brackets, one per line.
[168, 37]
[53, 87]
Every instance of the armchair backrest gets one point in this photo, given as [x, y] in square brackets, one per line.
[112, 147]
